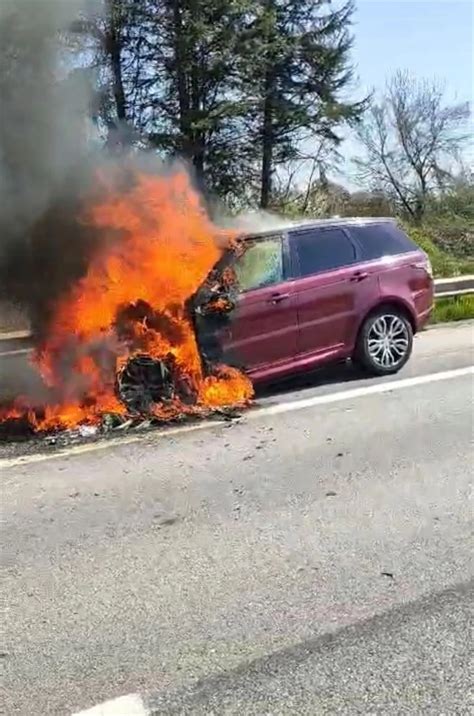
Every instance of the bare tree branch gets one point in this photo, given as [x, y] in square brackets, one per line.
[411, 139]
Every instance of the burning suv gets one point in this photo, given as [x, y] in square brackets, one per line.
[319, 292]
[176, 316]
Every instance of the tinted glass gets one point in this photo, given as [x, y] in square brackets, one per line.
[379, 240]
[322, 250]
[261, 265]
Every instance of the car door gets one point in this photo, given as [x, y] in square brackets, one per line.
[328, 288]
[264, 330]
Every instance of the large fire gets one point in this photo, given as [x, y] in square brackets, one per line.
[133, 302]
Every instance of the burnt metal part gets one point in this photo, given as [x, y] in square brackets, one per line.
[144, 381]
[16, 429]
[211, 309]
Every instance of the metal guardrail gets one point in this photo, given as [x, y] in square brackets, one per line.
[18, 341]
[450, 287]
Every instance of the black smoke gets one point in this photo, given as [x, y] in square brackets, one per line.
[47, 143]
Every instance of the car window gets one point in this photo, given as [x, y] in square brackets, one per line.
[322, 250]
[380, 240]
[261, 265]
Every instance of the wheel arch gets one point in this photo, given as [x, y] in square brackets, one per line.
[389, 302]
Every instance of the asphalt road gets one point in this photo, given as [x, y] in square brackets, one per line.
[313, 560]
[411, 660]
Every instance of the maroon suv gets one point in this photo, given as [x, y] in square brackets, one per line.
[327, 291]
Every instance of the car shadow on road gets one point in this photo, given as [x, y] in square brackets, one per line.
[336, 373]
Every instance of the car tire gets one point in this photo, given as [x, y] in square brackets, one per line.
[385, 342]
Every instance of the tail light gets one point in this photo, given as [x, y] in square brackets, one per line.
[425, 265]
[428, 267]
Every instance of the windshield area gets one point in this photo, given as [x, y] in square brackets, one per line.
[260, 265]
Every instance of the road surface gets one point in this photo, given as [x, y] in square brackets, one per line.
[311, 558]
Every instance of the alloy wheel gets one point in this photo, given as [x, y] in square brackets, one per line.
[388, 341]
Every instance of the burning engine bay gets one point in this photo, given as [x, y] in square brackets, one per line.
[138, 336]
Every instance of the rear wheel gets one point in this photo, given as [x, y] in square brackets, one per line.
[385, 342]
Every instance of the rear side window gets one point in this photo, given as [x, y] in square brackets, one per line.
[261, 265]
[378, 240]
[323, 250]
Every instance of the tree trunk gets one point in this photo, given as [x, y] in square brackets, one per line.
[269, 90]
[180, 57]
[114, 49]
[267, 140]
[198, 137]
[198, 155]
[420, 204]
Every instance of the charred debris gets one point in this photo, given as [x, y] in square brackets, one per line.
[144, 382]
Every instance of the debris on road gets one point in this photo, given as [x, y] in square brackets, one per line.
[137, 339]
[87, 431]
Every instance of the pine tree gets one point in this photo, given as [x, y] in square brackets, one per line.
[237, 87]
[189, 102]
[299, 52]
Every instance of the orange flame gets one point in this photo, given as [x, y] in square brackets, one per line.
[165, 249]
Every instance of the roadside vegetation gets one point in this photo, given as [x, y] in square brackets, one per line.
[447, 230]
[444, 263]
[458, 308]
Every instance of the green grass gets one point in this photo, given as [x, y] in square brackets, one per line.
[444, 264]
[456, 308]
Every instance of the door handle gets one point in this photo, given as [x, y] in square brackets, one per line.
[279, 297]
[359, 276]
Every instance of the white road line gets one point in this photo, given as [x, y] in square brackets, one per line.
[387, 387]
[131, 705]
[103, 444]
[17, 352]
[14, 335]
[315, 400]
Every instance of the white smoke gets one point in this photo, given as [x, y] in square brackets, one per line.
[260, 221]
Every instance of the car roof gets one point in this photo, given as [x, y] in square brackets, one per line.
[287, 226]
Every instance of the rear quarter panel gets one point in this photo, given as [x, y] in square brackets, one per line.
[403, 280]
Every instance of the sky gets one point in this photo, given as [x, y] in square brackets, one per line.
[430, 38]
